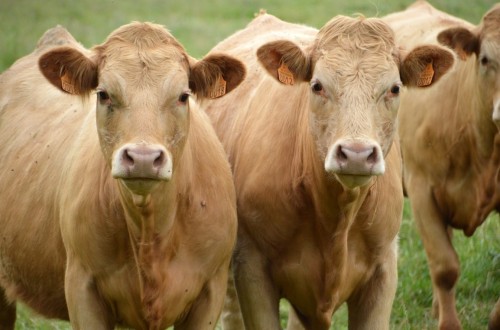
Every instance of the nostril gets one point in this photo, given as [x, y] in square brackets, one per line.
[127, 159]
[373, 156]
[340, 154]
[158, 162]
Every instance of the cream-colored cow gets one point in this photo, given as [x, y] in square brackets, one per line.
[310, 136]
[448, 143]
[130, 221]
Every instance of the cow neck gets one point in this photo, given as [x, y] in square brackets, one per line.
[476, 107]
[337, 208]
[146, 225]
[474, 102]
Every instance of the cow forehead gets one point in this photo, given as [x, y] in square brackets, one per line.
[142, 51]
[370, 34]
[349, 49]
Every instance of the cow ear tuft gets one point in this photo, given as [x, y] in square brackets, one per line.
[69, 70]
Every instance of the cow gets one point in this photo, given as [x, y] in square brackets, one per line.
[310, 136]
[118, 206]
[450, 142]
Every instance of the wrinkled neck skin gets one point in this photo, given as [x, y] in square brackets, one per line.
[339, 207]
[149, 214]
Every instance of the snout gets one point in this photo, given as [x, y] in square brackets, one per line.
[142, 162]
[355, 162]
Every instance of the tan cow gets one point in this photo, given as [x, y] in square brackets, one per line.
[447, 138]
[310, 136]
[130, 222]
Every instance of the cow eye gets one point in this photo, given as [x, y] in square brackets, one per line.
[103, 96]
[316, 87]
[184, 97]
[395, 89]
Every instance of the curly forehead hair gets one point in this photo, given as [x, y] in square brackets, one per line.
[360, 32]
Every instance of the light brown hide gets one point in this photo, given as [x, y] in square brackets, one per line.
[450, 143]
[139, 250]
[303, 235]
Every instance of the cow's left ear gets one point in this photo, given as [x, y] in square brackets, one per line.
[285, 61]
[69, 70]
[425, 65]
[215, 75]
[461, 40]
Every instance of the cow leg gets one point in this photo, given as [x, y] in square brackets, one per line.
[494, 322]
[231, 317]
[86, 308]
[259, 299]
[7, 312]
[206, 310]
[294, 321]
[370, 306]
[441, 256]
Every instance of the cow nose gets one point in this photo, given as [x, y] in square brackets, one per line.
[142, 162]
[355, 158]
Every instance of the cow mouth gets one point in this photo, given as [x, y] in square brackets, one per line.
[352, 181]
[140, 186]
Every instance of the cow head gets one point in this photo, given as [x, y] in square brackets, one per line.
[356, 73]
[484, 43]
[142, 79]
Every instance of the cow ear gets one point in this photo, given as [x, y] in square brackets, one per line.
[215, 75]
[425, 65]
[461, 40]
[285, 61]
[69, 70]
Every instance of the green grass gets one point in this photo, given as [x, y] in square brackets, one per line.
[199, 25]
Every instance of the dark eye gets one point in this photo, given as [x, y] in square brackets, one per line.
[316, 87]
[484, 60]
[184, 97]
[395, 89]
[102, 96]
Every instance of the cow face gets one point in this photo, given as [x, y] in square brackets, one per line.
[355, 75]
[484, 43]
[143, 79]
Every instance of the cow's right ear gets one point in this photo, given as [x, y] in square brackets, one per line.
[461, 40]
[69, 70]
[285, 61]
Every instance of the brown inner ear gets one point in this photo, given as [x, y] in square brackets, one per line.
[216, 75]
[415, 67]
[270, 59]
[69, 70]
[461, 40]
[285, 59]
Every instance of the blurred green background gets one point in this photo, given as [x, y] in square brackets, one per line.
[199, 25]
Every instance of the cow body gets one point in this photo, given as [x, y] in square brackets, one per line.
[128, 222]
[450, 152]
[316, 169]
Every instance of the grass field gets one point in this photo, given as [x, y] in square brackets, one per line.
[199, 25]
